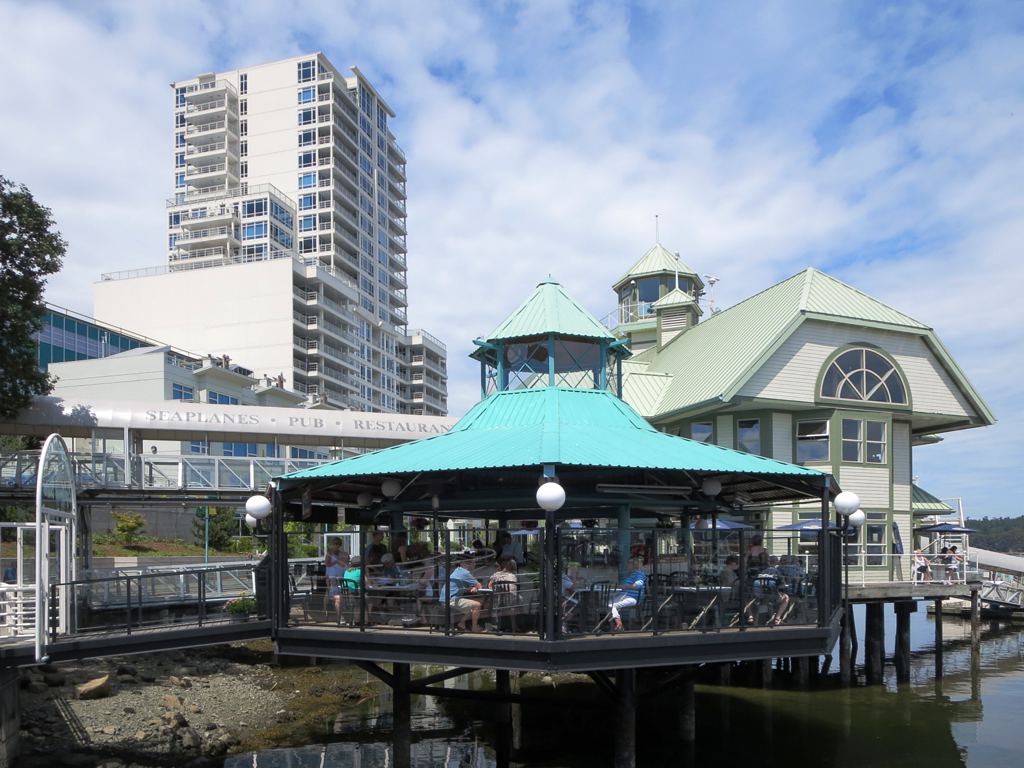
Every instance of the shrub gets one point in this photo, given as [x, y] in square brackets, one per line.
[243, 605]
[128, 525]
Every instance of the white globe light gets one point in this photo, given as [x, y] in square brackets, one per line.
[551, 496]
[258, 506]
[251, 521]
[847, 503]
[857, 518]
[391, 488]
[711, 486]
[364, 499]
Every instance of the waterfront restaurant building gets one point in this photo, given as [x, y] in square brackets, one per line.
[810, 371]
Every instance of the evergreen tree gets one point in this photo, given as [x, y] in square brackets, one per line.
[30, 249]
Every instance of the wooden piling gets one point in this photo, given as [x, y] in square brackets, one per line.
[938, 638]
[846, 650]
[401, 708]
[625, 718]
[975, 620]
[687, 710]
[874, 643]
[903, 610]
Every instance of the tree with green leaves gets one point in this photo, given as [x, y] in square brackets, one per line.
[223, 527]
[30, 249]
[128, 525]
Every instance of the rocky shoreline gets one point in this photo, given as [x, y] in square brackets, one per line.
[176, 709]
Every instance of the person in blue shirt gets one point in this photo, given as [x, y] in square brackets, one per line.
[462, 582]
[630, 593]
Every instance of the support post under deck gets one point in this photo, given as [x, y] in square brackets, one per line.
[625, 718]
[938, 638]
[975, 621]
[687, 709]
[846, 649]
[903, 610]
[401, 707]
[874, 643]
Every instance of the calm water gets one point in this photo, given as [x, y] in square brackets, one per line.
[973, 717]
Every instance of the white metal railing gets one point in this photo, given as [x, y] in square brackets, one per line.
[252, 190]
[217, 125]
[202, 149]
[17, 610]
[202, 170]
[207, 106]
[873, 568]
[194, 263]
[189, 235]
[209, 85]
[629, 312]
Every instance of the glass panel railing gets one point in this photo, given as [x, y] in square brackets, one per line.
[600, 581]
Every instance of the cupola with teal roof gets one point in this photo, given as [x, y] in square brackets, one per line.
[657, 299]
[550, 340]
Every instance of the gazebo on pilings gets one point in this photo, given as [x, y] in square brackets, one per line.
[585, 493]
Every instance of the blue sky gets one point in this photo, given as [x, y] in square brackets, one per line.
[878, 142]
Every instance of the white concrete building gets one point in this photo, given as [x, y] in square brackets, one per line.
[287, 232]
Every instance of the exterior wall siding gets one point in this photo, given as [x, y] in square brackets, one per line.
[724, 431]
[870, 483]
[792, 372]
[901, 469]
[782, 437]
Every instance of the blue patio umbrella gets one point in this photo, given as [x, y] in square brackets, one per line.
[723, 525]
[944, 528]
[807, 525]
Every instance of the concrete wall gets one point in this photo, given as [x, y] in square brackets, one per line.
[240, 310]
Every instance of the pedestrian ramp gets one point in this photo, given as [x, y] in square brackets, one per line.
[998, 563]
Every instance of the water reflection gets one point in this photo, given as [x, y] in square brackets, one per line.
[967, 718]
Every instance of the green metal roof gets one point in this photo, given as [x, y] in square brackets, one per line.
[549, 309]
[728, 347]
[564, 427]
[658, 260]
[923, 503]
[673, 298]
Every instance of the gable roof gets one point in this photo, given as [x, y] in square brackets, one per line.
[657, 260]
[549, 309]
[675, 297]
[731, 345]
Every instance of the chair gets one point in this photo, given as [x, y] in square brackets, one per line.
[505, 605]
[299, 595]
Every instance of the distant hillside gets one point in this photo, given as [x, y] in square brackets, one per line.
[1000, 534]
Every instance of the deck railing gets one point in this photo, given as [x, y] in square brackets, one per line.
[693, 581]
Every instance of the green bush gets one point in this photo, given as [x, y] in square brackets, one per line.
[127, 525]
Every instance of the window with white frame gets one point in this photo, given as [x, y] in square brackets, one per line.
[864, 441]
[864, 375]
[812, 440]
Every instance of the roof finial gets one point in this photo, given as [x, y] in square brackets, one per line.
[657, 233]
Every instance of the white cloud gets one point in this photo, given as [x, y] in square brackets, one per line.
[543, 137]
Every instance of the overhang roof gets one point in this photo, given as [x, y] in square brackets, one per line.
[675, 297]
[567, 428]
[924, 503]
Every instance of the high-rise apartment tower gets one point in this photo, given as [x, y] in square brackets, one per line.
[292, 162]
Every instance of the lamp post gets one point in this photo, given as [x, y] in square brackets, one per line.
[847, 504]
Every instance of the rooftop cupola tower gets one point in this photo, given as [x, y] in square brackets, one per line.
[657, 299]
[550, 340]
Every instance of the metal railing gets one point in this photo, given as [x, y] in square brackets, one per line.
[167, 472]
[190, 235]
[206, 106]
[201, 170]
[661, 580]
[127, 601]
[17, 610]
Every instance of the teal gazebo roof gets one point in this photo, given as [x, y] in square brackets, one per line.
[567, 428]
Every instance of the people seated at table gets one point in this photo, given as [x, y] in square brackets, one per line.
[757, 556]
[375, 549]
[462, 582]
[505, 574]
[389, 572]
[730, 574]
[353, 575]
[771, 585]
[631, 591]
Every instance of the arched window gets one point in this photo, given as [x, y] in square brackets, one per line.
[866, 376]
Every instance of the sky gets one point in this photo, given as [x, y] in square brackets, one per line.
[882, 143]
